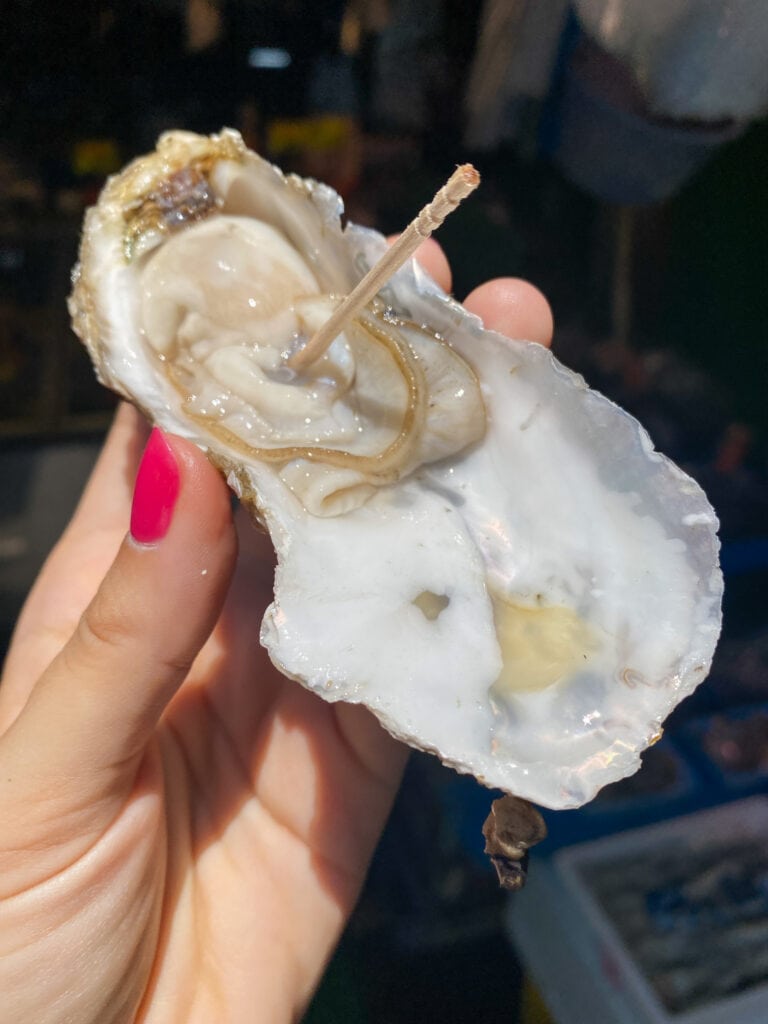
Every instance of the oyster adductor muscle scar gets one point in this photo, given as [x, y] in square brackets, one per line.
[484, 552]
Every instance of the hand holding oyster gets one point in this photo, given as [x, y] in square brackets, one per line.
[487, 554]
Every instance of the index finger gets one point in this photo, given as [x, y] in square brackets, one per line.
[76, 566]
[431, 257]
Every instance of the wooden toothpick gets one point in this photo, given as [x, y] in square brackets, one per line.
[464, 180]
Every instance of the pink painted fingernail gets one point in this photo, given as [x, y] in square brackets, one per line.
[156, 491]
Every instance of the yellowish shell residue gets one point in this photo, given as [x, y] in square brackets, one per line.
[539, 646]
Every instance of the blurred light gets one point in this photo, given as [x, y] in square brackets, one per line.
[268, 57]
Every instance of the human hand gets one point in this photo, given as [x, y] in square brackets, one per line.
[184, 831]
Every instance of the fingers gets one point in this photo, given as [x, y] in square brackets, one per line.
[508, 305]
[513, 307]
[94, 709]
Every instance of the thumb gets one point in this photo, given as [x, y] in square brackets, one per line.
[91, 714]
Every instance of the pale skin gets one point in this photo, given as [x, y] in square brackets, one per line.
[184, 831]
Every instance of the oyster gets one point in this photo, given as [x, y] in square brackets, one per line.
[470, 542]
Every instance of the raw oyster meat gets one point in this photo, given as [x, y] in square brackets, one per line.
[470, 542]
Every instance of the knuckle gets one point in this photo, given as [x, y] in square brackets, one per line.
[103, 624]
[176, 665]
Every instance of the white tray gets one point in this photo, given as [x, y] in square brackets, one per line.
[581, 964]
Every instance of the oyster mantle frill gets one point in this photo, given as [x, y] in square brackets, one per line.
[470, 542]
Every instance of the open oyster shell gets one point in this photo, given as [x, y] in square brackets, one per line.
[470, 542]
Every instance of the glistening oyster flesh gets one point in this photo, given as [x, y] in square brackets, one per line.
[486, 553]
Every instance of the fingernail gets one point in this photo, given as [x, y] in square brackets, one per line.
[156, 491]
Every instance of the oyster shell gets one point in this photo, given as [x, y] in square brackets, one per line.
[486, 553]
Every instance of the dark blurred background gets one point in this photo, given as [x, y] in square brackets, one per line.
[623, 158]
